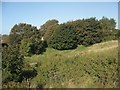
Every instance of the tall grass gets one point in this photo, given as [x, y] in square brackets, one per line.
[77, 68]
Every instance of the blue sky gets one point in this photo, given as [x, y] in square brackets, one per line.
[38, 13]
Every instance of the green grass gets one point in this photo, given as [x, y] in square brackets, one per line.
[88, 67]
[53, 53]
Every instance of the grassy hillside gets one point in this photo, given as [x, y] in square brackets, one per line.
[83, 67]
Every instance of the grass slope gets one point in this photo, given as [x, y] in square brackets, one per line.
[84, 67]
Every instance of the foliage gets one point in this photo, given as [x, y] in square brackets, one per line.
[47, 26]
[5, 39]
[12, 61]
[107, 24]
[90, 33]
[108, 28]
[85, 32]
[63, 38]
[49, 32]
[25, 48]
[22, 31]
[29, 47]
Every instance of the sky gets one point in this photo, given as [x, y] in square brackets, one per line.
[37, 13]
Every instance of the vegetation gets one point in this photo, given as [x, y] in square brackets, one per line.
[12, 63]
[80, 53]
[29, 47]
[63, 38]
[77, 68]
[82, 67]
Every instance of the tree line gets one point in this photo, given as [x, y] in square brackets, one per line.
[26, 40]
[61, 36]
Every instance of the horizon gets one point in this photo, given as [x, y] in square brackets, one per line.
[37, 13]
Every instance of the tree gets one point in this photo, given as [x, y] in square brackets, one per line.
[12, 63]
[49, 32]
[93, 33]
[22, 31]
[108, 28]
[28, 38]
[88, 31]
[46, 28]
[25, 47]
[63, 38]
[78, 26]
[107, 24]
[32, 46]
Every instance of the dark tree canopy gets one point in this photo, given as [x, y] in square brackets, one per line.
[63, 38]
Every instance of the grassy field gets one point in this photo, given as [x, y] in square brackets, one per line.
[84, 67]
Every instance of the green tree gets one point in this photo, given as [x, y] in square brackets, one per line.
[32, 46]
[93, 31]
[107, 24]
[22, 31]
[63, 38]
[25, 47]
[49, 32]
[12, 63]
[88, 31]
[47, 28]
[108, 28]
